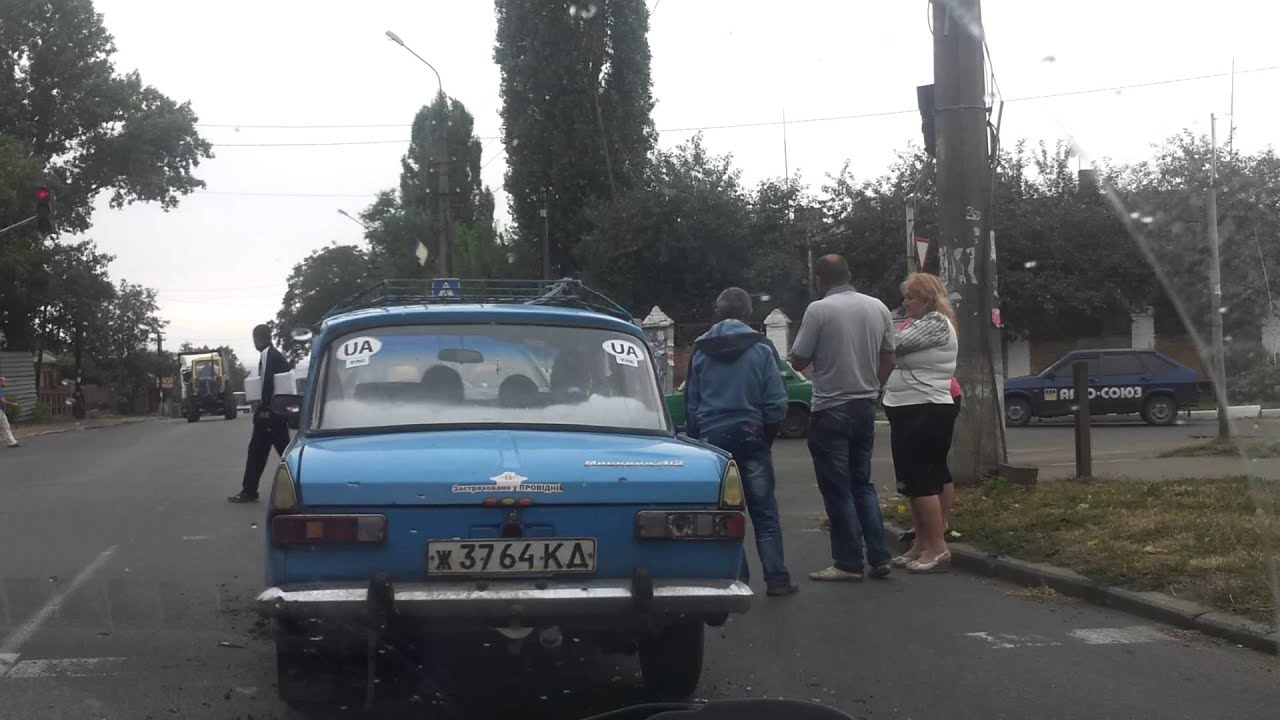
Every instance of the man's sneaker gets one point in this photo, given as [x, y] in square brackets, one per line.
[880, 572]
[782, 590]
[835, 574]
[242, 497]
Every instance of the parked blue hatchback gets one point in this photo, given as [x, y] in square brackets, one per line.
[1120, 381]
[493, 466]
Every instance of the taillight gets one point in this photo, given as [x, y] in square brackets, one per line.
[284, 495]
[328, 529]
[690, 525]
[731, 487]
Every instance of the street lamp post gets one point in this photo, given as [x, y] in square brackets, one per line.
[443, 166]
[352, 218]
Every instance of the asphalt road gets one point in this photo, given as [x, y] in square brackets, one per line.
[125, 582]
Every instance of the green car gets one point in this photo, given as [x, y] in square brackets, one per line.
[799, 396]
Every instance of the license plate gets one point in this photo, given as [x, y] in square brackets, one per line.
[511, 557]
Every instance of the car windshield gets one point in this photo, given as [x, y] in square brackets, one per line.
[206, 370]
[488, 375]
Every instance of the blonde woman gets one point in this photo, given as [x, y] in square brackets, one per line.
[921, 411]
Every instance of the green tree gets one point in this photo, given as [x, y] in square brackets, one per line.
[399, 218]
[85, 129]
[322, 280]
[1163, 201]
[676, 239]
[121, 350]
[1068, 266]
[576, 115]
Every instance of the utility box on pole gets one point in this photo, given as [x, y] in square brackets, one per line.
[964, 245]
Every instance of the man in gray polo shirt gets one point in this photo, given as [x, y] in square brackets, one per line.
[848, 337]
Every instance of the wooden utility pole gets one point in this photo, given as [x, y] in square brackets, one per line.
[964, 243]
[546, 233]
[159, 371]
[445, 193]
[1215, 290]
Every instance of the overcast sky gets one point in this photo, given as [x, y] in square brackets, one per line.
[246, 64]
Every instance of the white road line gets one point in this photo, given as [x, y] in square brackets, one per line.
[19, 637]
[195, 537]
[1119, 635]
[63, 667]
[1095, 462]
[1004, 641]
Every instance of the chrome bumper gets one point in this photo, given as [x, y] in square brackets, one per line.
[504, 600]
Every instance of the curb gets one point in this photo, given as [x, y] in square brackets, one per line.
[1167, 609]
[1234, 412]
[79, 428]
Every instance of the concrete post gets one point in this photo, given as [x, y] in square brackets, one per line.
[660, 329]
[776, 327]
[1019, 362]
[1271, 336]
[1142, 330]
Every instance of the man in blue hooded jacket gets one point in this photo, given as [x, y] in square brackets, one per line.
[735, 400]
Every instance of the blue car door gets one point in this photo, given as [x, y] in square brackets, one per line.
[1123, 382]
[1059, 391]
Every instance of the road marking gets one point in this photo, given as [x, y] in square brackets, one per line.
[7, 660]
[63, 667]
[19, 637]
[1119, 635]
[1004, 640]
[1095, 462]
[195, 537]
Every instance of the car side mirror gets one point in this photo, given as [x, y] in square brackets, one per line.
[290, 406]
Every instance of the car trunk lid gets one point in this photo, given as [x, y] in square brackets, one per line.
[470, 467]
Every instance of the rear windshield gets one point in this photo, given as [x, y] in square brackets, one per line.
[507, 375]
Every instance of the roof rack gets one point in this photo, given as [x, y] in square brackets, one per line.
[565, 292]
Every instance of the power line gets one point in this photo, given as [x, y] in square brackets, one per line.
[284, 194]
[501, 151]
[303, 126]
[315, 144]
[773, 123]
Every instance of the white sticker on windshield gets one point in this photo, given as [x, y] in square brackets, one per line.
[357, 351]
[624, 352]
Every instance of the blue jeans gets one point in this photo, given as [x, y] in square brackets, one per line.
[841, 440]
[751, 451]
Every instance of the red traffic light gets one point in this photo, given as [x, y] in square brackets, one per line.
[43, 195]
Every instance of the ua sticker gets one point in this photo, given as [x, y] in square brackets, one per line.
[624, 352]
[357, 351]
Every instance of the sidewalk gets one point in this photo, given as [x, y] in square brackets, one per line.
[22, 432]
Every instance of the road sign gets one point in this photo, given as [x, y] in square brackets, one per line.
[922, 253]
[445, 287]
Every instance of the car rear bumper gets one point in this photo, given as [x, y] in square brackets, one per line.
[506, 600]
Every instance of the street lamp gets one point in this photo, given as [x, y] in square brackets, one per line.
[446, 238]
[352, 218]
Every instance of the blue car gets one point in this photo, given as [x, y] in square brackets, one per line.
[493, 467]
[1120, 381]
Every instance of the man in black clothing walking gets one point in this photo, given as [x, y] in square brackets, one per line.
[269, 428]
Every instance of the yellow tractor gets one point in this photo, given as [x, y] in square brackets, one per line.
[206, 385]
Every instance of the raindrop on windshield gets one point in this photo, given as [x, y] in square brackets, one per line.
[1030, 264]
[253, 525]
[1222, 310]
[1147, 220]
[1049, 59]
[354, 483]
[413, 531]
[1135, 215]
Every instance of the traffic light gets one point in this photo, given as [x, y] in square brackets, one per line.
[924, 98]
[44, 211]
